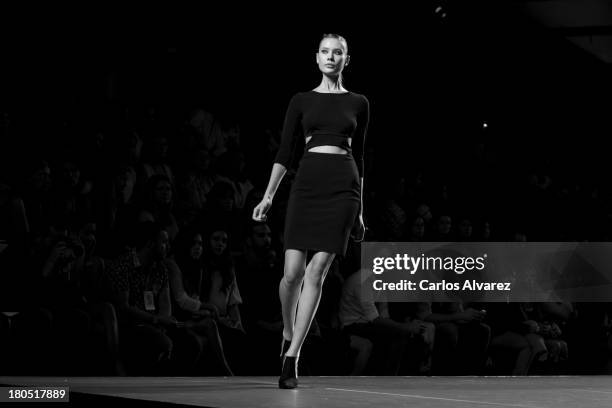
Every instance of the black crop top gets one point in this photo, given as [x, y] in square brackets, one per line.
[330, 118]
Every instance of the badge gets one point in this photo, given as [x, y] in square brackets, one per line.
[149, 301]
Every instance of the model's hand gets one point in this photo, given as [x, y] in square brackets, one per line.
[259, 212]
[359, 229]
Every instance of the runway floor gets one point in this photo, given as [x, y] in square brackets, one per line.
[414, 392]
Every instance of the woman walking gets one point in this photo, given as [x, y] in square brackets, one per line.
[326, 199]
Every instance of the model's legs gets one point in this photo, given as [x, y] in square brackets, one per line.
[309, 299]
[289, 288]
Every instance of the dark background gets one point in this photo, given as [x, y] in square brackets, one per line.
[433, 79]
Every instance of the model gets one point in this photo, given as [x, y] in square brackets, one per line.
[326, 198]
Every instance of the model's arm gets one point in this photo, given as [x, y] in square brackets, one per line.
[278, 172]
[363, 120]
[284, 156]
[361, 197]
[289, 137]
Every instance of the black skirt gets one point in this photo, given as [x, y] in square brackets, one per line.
[323, 203]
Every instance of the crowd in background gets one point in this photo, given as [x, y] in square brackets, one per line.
[133, 250]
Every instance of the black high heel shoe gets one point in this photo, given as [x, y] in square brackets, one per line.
[288, 378]
[284, 348]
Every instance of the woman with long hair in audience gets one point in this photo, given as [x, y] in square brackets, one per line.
[185, 273]
[220, 292]
[157, 204]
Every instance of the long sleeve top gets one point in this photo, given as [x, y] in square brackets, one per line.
[330, 118]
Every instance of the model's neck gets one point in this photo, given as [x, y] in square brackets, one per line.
[330, 84]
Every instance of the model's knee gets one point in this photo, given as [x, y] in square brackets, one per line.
[293, 277]
[295, 266]
[317, 269]
[315, 276]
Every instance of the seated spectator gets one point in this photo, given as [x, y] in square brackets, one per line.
[259, 271]
[194, 184]
[220, 288]
[589, 335]
[37, 188]
[155, 159]
[444, 229]
[462, 339]
[416, 231]
[414, 313]
[425, 213]
[465, 230]
[485, 233]
[361, 317]
[185, 272]
[545, 336]
[232, 135]
[72, 192]
[25, 346]
[204, 130]
[14, 226]
[158, 203]
[151, 340]
[231, 167]
[62, 293]
[510, 345]
[118, 210]
[221, 209]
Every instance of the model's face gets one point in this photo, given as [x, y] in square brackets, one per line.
[331, 56]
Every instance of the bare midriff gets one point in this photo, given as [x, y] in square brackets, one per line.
[327, 148]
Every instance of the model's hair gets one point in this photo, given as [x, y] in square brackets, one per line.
[344, 43]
